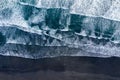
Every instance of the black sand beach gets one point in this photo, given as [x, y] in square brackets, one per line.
[60, 68]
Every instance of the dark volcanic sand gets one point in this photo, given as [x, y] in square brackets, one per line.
[60, 68]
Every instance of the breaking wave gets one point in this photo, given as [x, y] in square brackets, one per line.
[89, 27]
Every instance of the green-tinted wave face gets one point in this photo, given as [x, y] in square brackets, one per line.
[109, 32]
[56, 18]
[2, 39]
[27, 12]
[76, 23]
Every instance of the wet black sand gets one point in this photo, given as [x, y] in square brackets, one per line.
[59, 68]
